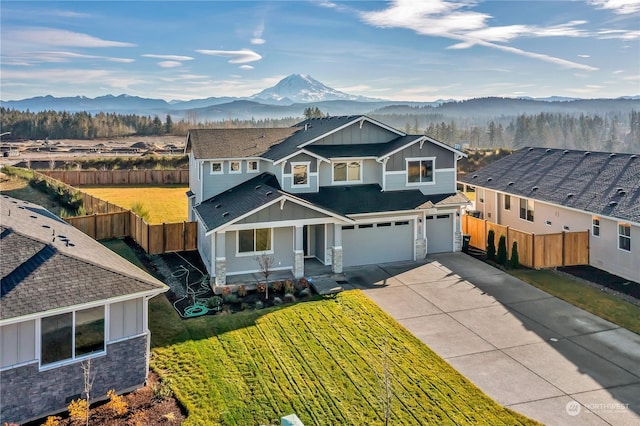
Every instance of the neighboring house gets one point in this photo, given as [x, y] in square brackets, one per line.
[65, 299]
[546, 191]
[343, 190]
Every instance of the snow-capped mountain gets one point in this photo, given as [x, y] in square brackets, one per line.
[302, 88]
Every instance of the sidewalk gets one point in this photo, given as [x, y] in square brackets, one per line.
[528, 350]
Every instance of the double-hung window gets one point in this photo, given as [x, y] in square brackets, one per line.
[595, 226]
[347, 171]
[419, 171]
[300, 174]
[252, 241]
[624, 236]
[526, 209]
[71, 335]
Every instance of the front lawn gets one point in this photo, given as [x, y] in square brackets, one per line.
[324, 360]
[166, 203]
[590, 299]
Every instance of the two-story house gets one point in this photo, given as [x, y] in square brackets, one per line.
[344, 190]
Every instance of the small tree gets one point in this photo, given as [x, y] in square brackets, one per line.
[266, 261]
[491, 245]
[502, 250]
[515, 260]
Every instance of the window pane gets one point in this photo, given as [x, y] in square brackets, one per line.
[253, 165]
[263, 239]
[624, 243]
[56, 338]
[413, 171]
[245, 241]
[354, 171]
[89, 330]
[507, 202]
[624, 230]
[300, 174]
[340, 172]
[216, 167]
[235, 166]
[426, 171]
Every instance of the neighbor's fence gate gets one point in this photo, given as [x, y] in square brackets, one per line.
[534, 251]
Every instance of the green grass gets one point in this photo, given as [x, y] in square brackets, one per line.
[322, 360]
[166, 203]
[590, 299]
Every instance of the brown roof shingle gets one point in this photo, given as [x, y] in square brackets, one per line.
[235, 143]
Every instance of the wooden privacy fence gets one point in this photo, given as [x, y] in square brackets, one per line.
[119, 177]
[534, 251]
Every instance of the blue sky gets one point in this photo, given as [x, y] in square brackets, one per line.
[398, 50]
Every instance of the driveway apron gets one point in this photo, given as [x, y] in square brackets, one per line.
[528, 350]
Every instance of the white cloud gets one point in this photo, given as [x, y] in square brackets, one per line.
[618, 34]
[168, 57]
[455, 21]
[170, 64]
[56, 37]
[73, 76]
[257, 35]
[237, 56]
[32, 58]
[246, 67]
[70, 14]
[584, 56]
[621, 7]
[258, 41]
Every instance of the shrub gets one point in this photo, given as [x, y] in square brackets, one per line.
[162, 389]
[491, 245]
[502, 250]
[244, 306]
[262, 287]
[288, 287]
[139, 418]
[78, 410]
[515, 260]
[139, 209]
[242, 290]
[303, 283]
[305, 292]
[226, 290]
[289, 298]
[277, 286]
[214, 302]
[52, 421]
[277, 301]
[230, 298]
[116, 403]
[259, 304]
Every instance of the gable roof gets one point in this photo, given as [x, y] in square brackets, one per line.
[235, 143]
[233, 204]
[47, 264]
[600, 183]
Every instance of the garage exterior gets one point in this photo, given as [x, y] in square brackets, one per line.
[439, 233]
[381, 242]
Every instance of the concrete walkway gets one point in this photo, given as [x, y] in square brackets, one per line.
[528, 350]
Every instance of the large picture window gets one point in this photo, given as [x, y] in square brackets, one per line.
[624, 236]
[526, 209]
[347, 171]
[419, 170]
[252, 241]
[300, 174]
[71, 335]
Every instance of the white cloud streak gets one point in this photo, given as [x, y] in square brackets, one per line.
[620, 7]
[31, 58]
[237, 56]
[170, 64]
[168, 57]
[56, 37]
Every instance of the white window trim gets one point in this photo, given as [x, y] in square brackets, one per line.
[433, 171]
[234, 172]
[533, 210]
[594, 226]
[257, 169]
[74, 358]
[346, 182]
[253, 253]
[221, 168]
[626, 225]
[301, 163]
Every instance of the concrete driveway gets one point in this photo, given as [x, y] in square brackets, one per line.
[528, 350]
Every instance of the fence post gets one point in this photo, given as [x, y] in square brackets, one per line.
[533, 251]
[563, 246]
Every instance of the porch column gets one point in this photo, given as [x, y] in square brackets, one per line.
[221, 260]
[336, 264]
[421, 239]
[298, 253]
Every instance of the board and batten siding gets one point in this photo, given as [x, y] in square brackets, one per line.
[289, 211]
[126, 319]
[371, 173]
[354, 134]
[444, 159]
[17, 343]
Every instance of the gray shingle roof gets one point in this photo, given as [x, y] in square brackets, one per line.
[370, 198]
[235, 143]
[600, 183]
[48, 264]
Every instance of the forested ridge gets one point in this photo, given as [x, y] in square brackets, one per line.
[615, 131]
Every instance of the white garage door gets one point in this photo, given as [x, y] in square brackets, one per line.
[440, 233]
[377, 243]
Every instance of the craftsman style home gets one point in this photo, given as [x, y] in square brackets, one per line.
[343, 191]
[66, 300]
[545, 191]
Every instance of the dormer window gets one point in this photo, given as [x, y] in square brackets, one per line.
[253, 166]
[234, 167]
[216, 167]
[420, 171]
[347, 171]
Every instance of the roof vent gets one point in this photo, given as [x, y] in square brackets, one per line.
[510, 183]
[613, 203]
[489, 179]
[474, 176]
[218, 206]
[621, 191]
[634, 156]
[587, 153]
[530, 149]
[535, 188]
[613, 154]
[569, 195]
[566, 151]
[547, 150]
[258, 187]
[230, 190]
[225, 214]
[268, 193]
